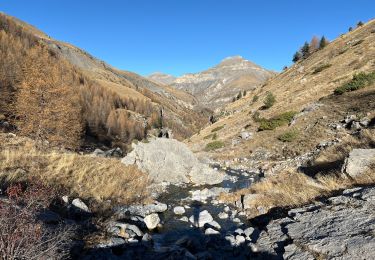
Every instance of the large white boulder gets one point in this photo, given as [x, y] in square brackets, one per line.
[168, 160]
[360, 161]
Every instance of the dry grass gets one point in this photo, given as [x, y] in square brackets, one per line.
[82, 175]
[291, 188]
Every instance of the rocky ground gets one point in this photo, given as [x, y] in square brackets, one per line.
[339, 227]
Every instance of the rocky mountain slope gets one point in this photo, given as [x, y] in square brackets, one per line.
[305, 91]
[219, 85]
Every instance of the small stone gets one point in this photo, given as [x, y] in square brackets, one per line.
[184, 219]
[65, 199]
[146, 237]
[236, 220]
[240, 240]
[249, 231]
[239, 231]
[132, 240]
[211, 231]
[78, 203]
[226, 209]
[179, 210]
[152, 221]
[223, 215]
[214, 224]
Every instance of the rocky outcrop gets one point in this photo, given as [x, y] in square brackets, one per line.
[168, 160]
[360, 161]
[341, 228]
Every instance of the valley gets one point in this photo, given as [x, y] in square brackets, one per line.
[234, 162]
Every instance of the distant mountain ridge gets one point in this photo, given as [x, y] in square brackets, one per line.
[218, 85]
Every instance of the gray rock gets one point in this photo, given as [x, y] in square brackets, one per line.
[179, 210]
[359, 162]
[98, 152]
[202, 218]
[245, 135]
[124, 230]
[223, 215]
[249, 231]
[79, 204]
[214, 224]
[341, 229]
[184, 219]
[292, 252]
[172, 161]
[211, 231]
[152, 221]
[140, 210]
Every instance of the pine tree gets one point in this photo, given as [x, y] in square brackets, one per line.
[323, 43]
[359, 24]
[305, 50]
[297, 56]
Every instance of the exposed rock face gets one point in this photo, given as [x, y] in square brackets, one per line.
[162, 78]
[167, 160]
[218, 85]
[359, 162]
[341, 229]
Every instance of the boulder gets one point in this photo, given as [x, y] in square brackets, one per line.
[168, 160]
[140, 210]
[359, 162]
[201, 219]
[152, 221]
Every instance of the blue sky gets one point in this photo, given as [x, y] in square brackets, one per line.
[179, 36]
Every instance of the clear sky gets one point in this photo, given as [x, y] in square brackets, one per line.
[179, 36]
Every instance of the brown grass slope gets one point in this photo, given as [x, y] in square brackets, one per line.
[295, 89]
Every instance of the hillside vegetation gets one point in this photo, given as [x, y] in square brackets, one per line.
[310, 88]
[56, 92]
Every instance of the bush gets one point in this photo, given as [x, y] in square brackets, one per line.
[288, 136]
[269, 101]
[277, 121]
[22, 236]
[214, 145]
[255, 98]
[358, 81]
[217, 128]
[321, 68]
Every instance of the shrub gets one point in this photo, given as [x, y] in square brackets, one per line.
[359, 24]
[288, 136]
[22, 236]
[358, 81]
[214, 145]
[277, 121]
[255, 98]
[321, 68]
[217, 128]
[214, 136]
[269, 101]
[208, 136]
